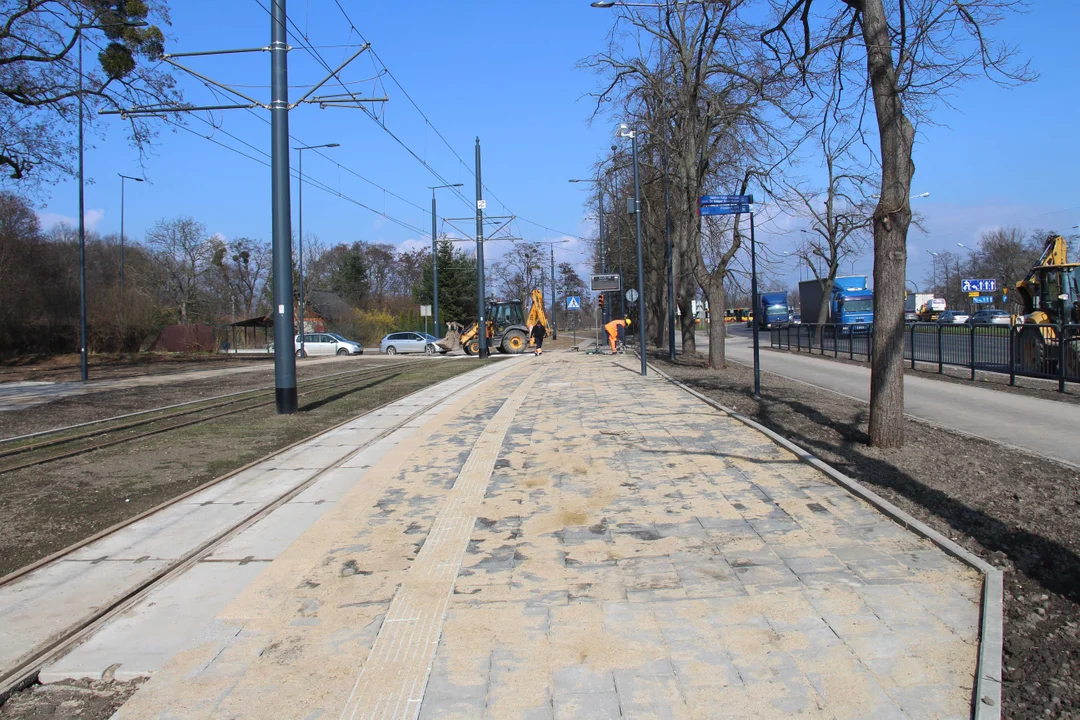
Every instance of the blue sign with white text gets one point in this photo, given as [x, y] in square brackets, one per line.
[983, 299]
[727, 200]
[981, 286]
[724, 209]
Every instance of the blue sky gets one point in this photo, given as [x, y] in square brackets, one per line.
[507, 72]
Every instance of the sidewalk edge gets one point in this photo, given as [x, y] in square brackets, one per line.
[987, 702]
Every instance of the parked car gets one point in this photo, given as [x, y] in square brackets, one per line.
[409, 342]
[910, 316]
[952, 317]
[326, 344]
[796, 319]
[990, 317]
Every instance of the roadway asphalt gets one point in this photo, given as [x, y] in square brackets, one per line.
[1038, 426]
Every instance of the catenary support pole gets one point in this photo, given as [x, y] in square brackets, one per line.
[481, 326]
[640, 259]
[84, 368]
[434, 264]
[756, 303]
[301, 330]
[554, 309]
[284, 351]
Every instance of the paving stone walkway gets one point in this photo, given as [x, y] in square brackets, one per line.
[579, 542]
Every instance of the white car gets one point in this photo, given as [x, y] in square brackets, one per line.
[953, 317]
[326, 344]
[410, 342]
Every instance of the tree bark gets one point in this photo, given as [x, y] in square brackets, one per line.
[891, 220]
[717, 326]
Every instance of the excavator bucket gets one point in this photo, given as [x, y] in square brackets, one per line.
[452, 341]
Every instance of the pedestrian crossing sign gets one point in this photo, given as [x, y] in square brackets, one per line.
[573, 302]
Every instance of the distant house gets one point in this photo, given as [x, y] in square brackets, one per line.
[184, 338]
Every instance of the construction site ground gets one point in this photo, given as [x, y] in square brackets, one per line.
[574, 540]
[1016, 510]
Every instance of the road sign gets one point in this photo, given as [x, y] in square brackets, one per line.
[631, 295]
[606, 283]
[425, 311]
[481, 204]
[973, 294]
[573, 302]
[724, 209]
[983, 299]
[970, 285]
[727, 199]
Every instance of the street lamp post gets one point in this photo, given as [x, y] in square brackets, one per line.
[618, 239]
[300, 213]
[84, 369]
[599, 217]
[122, 295]
[625, 131]
[435, 253]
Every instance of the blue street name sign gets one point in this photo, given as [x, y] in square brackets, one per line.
[724, 209]
[982, 299]
[980, 286]
[727, 199]
[573, 302]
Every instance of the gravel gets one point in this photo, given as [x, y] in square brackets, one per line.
[1019, 512]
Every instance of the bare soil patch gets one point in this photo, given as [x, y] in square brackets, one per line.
[70, 700]
[1019, 512]
[46, 508]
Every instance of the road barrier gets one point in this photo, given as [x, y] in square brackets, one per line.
[1047, 351]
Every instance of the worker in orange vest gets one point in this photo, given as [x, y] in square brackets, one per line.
[616, 330]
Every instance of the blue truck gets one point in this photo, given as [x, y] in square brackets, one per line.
[772, 309]
[851, 303]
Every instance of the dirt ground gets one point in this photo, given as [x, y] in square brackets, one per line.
[110, 403]
[57, 368]
[82, 699]
[1019, 512]
[46, 508]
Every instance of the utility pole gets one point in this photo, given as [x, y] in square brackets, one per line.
[123, 296]
[481, 323]
[618, 234]
[640, 259]
[435, 252]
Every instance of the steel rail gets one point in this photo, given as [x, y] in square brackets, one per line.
[26, 669]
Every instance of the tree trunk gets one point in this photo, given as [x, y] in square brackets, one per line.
[717, 326]
[891, 220]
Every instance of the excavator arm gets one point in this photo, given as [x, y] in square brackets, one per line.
[536, 311]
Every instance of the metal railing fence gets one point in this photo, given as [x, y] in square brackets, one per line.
[1043, 351]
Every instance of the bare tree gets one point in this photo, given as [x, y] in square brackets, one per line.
[185, 255]
[840, 214]
[691, 79]
[904, 57]
[39, 76]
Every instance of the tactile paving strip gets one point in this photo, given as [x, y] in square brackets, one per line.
[392, 682]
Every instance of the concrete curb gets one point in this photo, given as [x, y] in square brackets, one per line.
[987, 703]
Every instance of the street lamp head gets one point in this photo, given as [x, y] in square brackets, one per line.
[923, 195]
[602, 4]
[333, 145]
[624, 131]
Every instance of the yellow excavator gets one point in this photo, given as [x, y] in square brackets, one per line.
[1051, 297]
[507, 329]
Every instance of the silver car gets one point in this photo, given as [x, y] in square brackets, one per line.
[952, 317]
[409, 342]
[990, 317]
[326, 344]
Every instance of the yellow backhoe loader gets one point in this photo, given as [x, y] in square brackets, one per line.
[507, 330]
[1051, 297]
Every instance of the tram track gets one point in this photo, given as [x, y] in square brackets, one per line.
[247, 400]
[24, 671]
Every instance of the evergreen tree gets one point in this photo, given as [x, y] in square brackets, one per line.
[457, 284]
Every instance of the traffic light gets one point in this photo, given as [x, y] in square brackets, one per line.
[601, 301]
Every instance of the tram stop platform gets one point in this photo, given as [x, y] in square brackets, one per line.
[571, 540]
